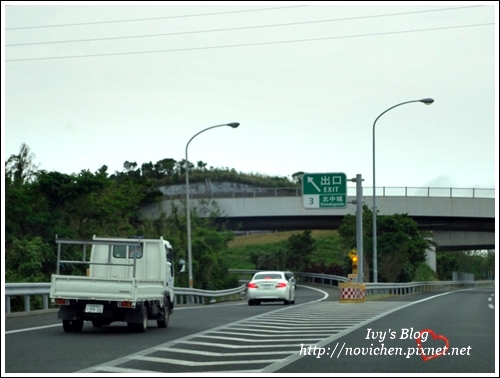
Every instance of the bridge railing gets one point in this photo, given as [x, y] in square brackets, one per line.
[403, 191]
[183, 295]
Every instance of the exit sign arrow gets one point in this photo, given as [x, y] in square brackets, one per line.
[310, 180]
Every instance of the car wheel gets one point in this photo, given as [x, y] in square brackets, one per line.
[250, 302]
[257, 303]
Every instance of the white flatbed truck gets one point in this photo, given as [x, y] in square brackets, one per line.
[122, 279]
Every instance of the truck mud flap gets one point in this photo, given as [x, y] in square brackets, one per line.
[134, 316]
[66, 313]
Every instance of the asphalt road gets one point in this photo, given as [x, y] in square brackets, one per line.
[37, 343]
[463, 318]
[234, 337]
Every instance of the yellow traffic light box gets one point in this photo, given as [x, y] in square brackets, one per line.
[354, 260]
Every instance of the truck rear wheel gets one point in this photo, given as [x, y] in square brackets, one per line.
[142, 327]
[77, 325]
[67, 326]
[72, 325]
[166, 310]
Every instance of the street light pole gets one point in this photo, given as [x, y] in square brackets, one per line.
[426, 101]
[188, 211]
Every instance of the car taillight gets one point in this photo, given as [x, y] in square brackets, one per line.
[251, 285]
[60, 301]
[281, 284]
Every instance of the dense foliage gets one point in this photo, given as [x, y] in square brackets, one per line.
[400, 245]
[479, 263]
[40, 205]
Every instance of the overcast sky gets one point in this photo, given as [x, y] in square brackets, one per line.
[92, 85]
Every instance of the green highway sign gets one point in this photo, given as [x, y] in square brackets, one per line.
[324, 190]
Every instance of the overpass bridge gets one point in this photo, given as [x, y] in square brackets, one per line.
[460, 218]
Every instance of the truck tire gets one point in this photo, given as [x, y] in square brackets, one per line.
[142, 327]
[67, 326]
[77, 325]
[72, 325]
[163, 323]
[97, 323]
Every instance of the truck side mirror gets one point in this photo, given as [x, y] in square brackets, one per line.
[182, 265]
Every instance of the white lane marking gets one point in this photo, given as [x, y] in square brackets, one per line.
[273, 328]
[194, 363]
[205, 353]
[113, 369]
[252, 340]
[231, 346]
[491, 306]
[264, 336]
[32, 329]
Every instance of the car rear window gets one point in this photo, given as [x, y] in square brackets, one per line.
[270, 276]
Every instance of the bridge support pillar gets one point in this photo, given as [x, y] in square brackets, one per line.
[431, 256]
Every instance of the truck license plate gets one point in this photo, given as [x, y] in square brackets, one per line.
[95, 308]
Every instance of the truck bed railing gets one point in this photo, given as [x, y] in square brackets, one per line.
[84, 243]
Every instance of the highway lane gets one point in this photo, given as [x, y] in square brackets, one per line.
[235, 337]
[38, 344]
[466, 318]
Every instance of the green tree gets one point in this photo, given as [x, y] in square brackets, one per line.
[21, 168]
[400, 245]
[446, 263]
[27, 259]
[300, 247]
[40, 205]
[209, 240]
[490, 264]
[477, 262]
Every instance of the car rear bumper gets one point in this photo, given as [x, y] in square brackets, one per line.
[266, 295]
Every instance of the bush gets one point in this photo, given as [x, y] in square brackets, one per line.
[424, 273]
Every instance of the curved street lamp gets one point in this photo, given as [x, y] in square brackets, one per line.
[188, 211]
[426, 101]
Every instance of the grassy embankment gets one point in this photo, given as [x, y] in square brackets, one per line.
[239, 250]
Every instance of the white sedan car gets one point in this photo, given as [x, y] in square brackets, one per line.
[271, 287]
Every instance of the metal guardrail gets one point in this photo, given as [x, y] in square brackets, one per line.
[380, 288]
[183, 295]
[419, 287]
[27, 290]
[404, 191]
[314, 277]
